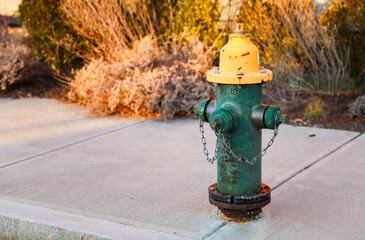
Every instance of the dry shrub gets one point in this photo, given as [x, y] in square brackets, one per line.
[288, 80]
[128, 73]
[111, 26]
[327, 65]
[146, 81]
[17, 62]
[301, 51]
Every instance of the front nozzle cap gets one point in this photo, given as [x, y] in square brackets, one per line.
[221, 120]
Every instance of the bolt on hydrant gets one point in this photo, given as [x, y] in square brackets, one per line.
[237, 117]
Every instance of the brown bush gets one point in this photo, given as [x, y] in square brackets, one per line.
[17, 62]
[128, 72]
[145, 81]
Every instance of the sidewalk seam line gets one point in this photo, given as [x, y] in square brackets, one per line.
[316, 161]
[295, 174]
[71, 144]
[214, 231]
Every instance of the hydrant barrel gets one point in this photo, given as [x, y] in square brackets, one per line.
[234, 177]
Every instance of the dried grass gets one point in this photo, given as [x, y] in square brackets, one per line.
[107, 25]
[301, 52]
[328, 66]
[17, 62]
[128, 73]
[146, 81]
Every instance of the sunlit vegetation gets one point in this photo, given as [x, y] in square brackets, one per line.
[144, 57]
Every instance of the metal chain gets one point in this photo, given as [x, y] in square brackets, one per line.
[227, 149]
[204, 142]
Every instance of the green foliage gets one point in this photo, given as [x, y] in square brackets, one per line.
[54, 39]
[48, 32]
[146, 16]
[292, 41]
[348, 18]
[197, 17]
[314, 109]
[264, 21]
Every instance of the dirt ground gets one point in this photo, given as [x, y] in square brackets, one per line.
[40, 87]
[335, 114]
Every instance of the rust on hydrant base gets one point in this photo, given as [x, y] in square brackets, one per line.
[239, 208]
[238, 216]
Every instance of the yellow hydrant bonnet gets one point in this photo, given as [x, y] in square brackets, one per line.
[239, 62]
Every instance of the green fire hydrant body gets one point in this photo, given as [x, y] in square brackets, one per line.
[235, 178]
[237, 117]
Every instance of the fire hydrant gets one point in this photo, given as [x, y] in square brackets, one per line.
[237, 117]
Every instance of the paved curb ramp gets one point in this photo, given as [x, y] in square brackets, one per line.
[66, 175]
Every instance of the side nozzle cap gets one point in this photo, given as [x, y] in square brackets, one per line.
[200, 110]
[283, 118]
[273, 114]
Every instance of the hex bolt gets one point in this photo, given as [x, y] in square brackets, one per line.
[216, 123]
[216, 70]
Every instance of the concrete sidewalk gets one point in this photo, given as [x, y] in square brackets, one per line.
[64, 175]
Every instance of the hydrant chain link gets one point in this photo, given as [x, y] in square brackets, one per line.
[245, 160]
[226, 146]
[204, 142]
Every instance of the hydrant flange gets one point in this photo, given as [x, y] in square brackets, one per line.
[240, 202]
[238, 208]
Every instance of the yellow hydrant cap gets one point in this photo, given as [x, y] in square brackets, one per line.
[239, 62]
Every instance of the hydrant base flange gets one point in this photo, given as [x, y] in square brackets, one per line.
[240, 206]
